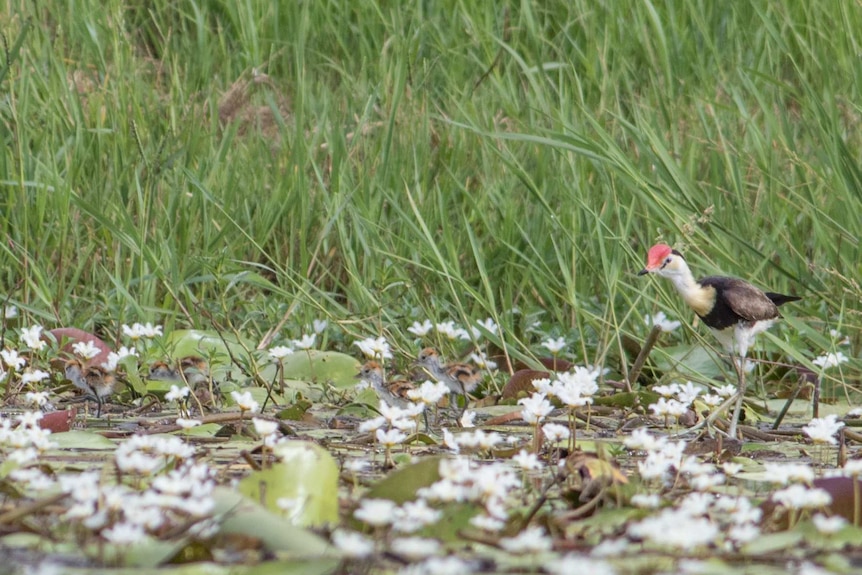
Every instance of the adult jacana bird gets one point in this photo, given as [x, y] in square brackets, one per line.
[733, 309]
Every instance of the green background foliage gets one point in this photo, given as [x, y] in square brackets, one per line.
[381, 162]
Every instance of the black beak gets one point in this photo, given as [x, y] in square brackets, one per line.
[643, 272]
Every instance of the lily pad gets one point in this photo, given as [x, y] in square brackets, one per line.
[147, 553]
[307, 476]
[401, 485]
[277, 532]
[208, 344]
[774, 542]
[82, 440]
[695, 359]
[337, 369]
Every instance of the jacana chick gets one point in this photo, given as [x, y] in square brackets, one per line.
[393, 392]
[460, 378]
[192, 370]
[95, 381]
[733, 309]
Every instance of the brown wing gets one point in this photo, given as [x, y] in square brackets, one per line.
[739, 298]
[400, 387]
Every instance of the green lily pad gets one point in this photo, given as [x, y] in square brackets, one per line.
[82, 440]
[401, 485]
[184, 342]
[628, 399]
[295, 411]
[331, 367]
[311, 566]
[774, 542]
[147, 553]
[695, 359]
[307, 475]
[278, 533]
[206, 430]
[160, 387]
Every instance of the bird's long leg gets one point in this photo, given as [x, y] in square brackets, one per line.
[466, 403]
[740, 374]
[707, 423]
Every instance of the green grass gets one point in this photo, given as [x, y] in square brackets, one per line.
[376, 163]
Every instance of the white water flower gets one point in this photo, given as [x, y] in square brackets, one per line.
[798, 496]
[374, 347]
[554, 346]
[527, 461]
[125, 533]
[536, 408]
[530, 540]
[420, 329]
[376, 512]
[186, 423]
[823, 430]
[138, 331]
[353, 544]
[468, 419]
[661, 320]
[489, 325]
[264, 426]
[831, 359]
[827, 525]
[390, 437]
[245, 401]
[32, 338]
[280, 352]
[34, 376]
[306, 342]
[555, 432]
[12, 360]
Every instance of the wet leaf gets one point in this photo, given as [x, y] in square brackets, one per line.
[67, 336]
[278, 533]
[58, 421]
[307, 476]
[148, 553]
[690, 358]
[293, 566]
[628, 399]
[401, 485]
[295, 411]
[521, 383]
[773, 543]
[330, 367]
[455, 519]
[206, 344]
[82, 440]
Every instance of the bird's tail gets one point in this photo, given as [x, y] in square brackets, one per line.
[780, 299]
